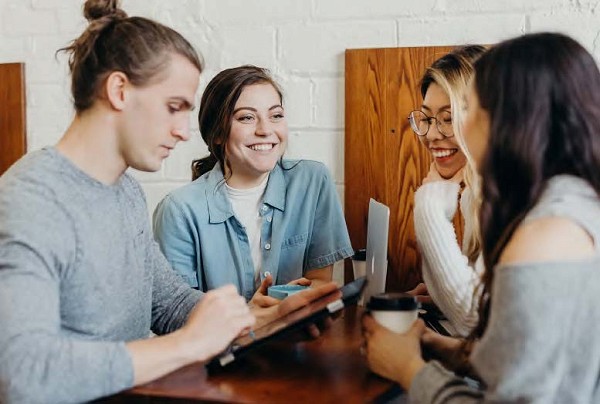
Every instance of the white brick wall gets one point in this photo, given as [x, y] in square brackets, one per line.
[301, 41]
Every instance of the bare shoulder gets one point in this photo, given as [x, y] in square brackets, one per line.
[548, 239]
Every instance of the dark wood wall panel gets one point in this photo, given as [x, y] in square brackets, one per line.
[365, 93]
[13, 140]
[383, 158]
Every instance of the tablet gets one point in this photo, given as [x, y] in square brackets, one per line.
[312, 312]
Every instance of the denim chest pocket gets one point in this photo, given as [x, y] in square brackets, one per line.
[291, 260]
[295, 241]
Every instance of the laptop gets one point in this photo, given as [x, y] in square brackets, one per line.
[377, 264]
[377, 247]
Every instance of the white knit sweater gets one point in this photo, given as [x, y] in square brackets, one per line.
[450, 280]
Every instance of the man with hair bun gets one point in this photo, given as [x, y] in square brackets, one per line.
[81, 279]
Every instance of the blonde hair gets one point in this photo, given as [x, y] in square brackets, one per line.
[453, 73]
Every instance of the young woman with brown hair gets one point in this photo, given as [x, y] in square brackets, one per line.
[250, 217]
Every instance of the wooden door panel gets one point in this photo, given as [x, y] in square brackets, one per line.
[13, 143]
[383, 158]
[366, 94]
[407, 160]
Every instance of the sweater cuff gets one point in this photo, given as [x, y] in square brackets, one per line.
[442, 195]
[429, 382]
[122, 374]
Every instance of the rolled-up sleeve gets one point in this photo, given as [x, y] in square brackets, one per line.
[175, 236]
[329, 241]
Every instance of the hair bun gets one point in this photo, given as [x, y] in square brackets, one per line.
[96, 9]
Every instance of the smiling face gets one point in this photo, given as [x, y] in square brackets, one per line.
[258, 135]
[157, 115]
[446, 153]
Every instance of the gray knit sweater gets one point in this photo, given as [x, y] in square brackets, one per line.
[542, 343]
[80, 275]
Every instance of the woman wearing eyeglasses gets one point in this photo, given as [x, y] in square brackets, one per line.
[450, 271]
[533, 128]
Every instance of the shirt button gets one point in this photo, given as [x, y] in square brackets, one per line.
[269, 219]
[264, 208]
[267, 273]
[267, 246]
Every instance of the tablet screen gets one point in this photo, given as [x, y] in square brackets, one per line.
[313, 311]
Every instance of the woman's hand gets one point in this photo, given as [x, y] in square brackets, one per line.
[261, 297]
[448, 350]
[440, 344]
[434, 175]
[391, 355]
[265, 315]
[300, 281]
[214, 322]
[421, 293]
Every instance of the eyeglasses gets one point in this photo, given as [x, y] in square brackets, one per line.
[420, 123]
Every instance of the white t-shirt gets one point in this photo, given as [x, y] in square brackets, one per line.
[246, 204]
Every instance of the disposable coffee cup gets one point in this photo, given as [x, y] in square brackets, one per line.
[359, 263]
[395, 311]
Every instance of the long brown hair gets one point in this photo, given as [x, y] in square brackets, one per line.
[136, 46]
[216, 110]
[542, 94]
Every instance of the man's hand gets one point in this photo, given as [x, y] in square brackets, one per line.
[214, 322]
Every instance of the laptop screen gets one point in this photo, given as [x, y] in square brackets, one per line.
[377, 247]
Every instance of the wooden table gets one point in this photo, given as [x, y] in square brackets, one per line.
[326, 370]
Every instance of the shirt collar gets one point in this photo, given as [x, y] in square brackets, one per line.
[219, 206]
[275, 192]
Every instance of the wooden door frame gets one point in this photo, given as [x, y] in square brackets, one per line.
[13, 130]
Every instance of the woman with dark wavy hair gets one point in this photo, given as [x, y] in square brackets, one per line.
[533, 129]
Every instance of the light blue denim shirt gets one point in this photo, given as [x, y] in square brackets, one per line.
[303, 228]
